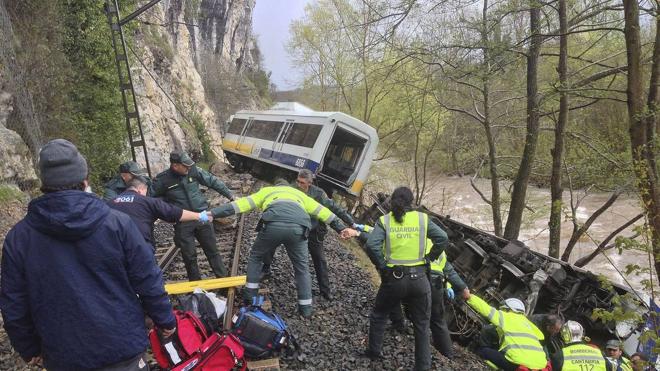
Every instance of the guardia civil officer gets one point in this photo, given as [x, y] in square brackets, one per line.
[318, 231]
[179, 185]
[397, 247]
[615, 356]
[117, 185]
[444, 281]
[520, 339]
[576, 355]
[285, 221]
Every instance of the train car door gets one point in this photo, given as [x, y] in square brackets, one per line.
[279, 143]
[241, 139]
[343, 156]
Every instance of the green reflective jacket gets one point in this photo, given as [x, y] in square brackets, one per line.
[183, 190]
[281, 204]
[376, 243]
[581, 357]
[520, 339]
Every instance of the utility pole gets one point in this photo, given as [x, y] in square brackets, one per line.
[131, 111]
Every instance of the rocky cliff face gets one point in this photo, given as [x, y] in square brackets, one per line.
[15, 156]
[187, 52]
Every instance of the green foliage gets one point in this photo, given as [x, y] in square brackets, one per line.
[96, 119]
[261, 81]
[157, 42]
[10, 193]
[65, 50]
[202, 135]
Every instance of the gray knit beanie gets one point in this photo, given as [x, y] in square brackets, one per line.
[61, 164]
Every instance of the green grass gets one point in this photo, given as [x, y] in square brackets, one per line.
[9, 193]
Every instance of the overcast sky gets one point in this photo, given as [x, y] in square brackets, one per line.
[271, 25]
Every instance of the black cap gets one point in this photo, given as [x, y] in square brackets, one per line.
[181, 158]
[132, 167]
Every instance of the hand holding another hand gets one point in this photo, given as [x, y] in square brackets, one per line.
[347, 233]
[204, 216]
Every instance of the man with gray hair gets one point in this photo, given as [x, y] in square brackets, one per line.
[317, 232]
[77, 277]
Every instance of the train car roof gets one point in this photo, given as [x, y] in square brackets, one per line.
[300, 110]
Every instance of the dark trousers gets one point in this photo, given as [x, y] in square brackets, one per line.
[439, 330]
[415, 293]
[137, 363]
[497, 358]
[316, 250]
[185, 234]
[271, 236]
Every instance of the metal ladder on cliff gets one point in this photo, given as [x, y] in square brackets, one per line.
[131, 111]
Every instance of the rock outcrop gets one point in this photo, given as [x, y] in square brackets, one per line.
[16, 158]
[183, 47]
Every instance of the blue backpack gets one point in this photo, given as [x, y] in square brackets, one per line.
[262, 333]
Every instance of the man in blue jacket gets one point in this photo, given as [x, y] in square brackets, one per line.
[78, 277]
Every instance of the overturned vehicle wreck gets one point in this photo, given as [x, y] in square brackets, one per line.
[496, 269]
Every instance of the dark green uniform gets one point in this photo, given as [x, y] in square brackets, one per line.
[183, 191]
[316, 238]
[114, 188]
[285, 220]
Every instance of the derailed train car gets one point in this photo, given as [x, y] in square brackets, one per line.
[495, 269]
[336, 147]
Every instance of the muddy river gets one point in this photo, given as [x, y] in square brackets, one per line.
[455, 197]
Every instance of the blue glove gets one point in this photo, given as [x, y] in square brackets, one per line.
[359, 227]
[203, 217]
[450, 293]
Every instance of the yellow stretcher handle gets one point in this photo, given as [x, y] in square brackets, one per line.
[210, 284]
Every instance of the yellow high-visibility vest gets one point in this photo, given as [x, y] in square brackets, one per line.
[405, 242]
[520, 339]
[581, 357]
[268, 196]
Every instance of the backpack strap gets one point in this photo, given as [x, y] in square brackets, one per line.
[257, 301]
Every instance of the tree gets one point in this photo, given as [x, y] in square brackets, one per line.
[643, 121]
[556, 189]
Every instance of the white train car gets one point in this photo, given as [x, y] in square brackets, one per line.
[336, 147]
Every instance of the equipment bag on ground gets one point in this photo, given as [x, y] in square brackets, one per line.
[206, 306]
[183, 344]
[262, 333]
[217, 353]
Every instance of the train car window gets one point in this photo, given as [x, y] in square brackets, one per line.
[266, 130]
[236, 126]
[303, 135]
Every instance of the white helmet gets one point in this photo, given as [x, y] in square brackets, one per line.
[571, 332]
[515, 305]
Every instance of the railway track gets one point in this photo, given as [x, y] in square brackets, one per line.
[230, 241]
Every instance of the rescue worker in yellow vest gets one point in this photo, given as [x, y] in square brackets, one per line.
[576, 354]
[520, 339]
[285, 221]
[444, 281]
[397, 247]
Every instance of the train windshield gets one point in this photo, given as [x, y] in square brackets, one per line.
[343, 156]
